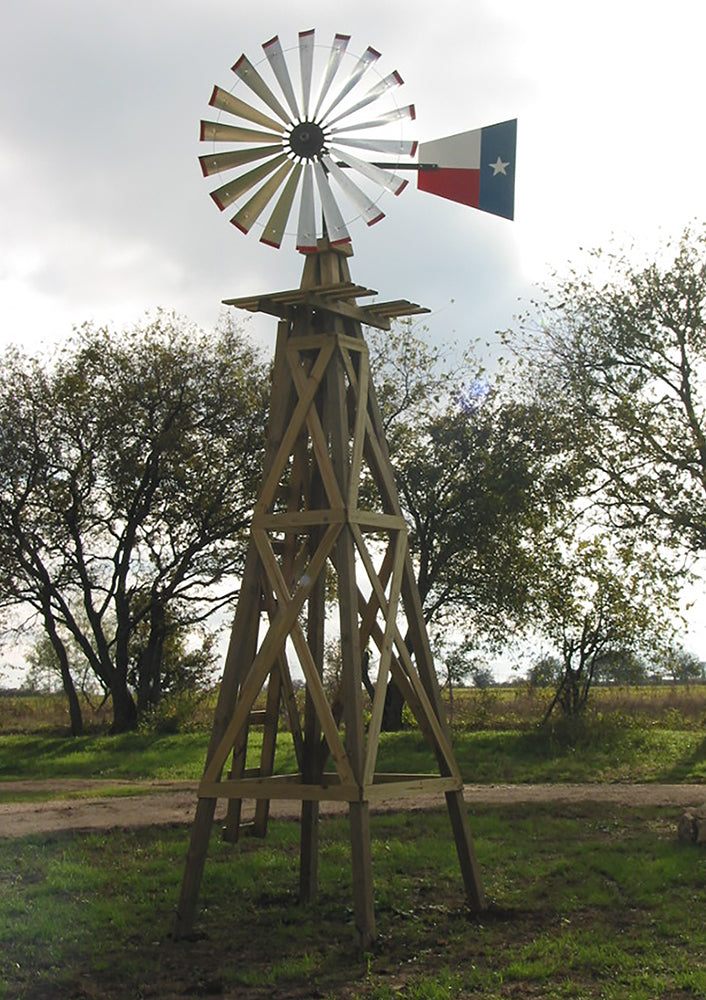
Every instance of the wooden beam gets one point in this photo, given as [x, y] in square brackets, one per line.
[306, 388]
[385, 654]
[361, 857]
[291, 787]
[271, 644]
[243, 636]
[458, 814]
[296, 521]
[280, 786]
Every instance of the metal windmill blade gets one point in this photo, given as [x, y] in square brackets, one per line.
[288, 140]
[302, 146]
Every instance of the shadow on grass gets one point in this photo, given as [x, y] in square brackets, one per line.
[132, 755]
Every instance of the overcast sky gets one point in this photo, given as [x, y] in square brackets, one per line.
[104, 213]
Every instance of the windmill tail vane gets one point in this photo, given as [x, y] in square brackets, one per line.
[474, 168]
[294, 147]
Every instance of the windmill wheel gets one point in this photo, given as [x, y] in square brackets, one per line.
[303, 141]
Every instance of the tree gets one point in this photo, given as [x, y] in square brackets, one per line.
[601, 603]
[457, 663]
[483, 490]
[43, 675]
[544, 672]
[622, 666]
[621, 348]
[482, 476]
[681, 666]
[128, 466]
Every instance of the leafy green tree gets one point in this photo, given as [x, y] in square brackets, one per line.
[483, 477]
[621, 349]
[43, 675]
[622, 666]
[482, 489]
[544, 672]
[600, 603]
[128, 465]
[681, 666]
[454, 665]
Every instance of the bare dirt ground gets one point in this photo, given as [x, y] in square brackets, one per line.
[166, 803]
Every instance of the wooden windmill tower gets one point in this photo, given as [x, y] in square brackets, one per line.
[314, 529]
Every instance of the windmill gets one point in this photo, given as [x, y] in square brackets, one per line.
[284, 155]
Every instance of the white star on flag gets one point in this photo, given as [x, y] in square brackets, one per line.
[498, 167]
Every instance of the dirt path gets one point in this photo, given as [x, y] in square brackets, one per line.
[174, 802]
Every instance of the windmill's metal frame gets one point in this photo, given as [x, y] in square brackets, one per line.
[325, 437]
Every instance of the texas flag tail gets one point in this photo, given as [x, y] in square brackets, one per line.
[474, 168]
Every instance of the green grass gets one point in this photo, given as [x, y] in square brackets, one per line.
[586, 901]
[131, 755]
[603, 753]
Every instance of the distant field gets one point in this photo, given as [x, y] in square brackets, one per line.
[674, 706]
[631, 734]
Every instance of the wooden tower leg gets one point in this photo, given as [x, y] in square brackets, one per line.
[267, 756]
[309, 852]
[241, 648]
[361, 856]
[419, 642]
[238, 654]
[312, 757]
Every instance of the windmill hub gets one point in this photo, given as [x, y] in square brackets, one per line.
[307, 140]
[307, 145]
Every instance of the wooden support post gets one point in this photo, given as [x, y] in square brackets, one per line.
[234, 810]
[236, 658]
[312, 758]
[361, 857]
[267, 754]
[421, 649]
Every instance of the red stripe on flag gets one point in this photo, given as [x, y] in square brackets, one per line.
[453, 183]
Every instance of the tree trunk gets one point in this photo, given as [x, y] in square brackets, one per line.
[394, 701]
[451, 697]
[392, 712]
[124, 708]
[149, 679]
[75, 715]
